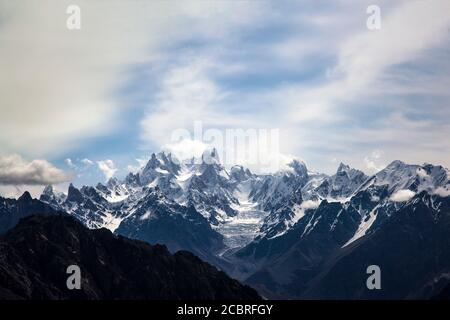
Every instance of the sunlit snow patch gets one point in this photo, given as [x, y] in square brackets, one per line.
[363, 227]
[111, 222]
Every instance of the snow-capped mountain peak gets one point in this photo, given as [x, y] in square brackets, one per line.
[343, 167]
[48, 190]
[210, 156]
[73, 194]
[159, 164]
[401, 176]
[299, 168]
[238, 173]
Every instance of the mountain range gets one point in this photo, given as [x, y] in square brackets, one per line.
[290, 234]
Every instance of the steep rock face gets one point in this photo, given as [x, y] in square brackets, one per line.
[240, 174]
[412, 250]
[326, 253]
[278, 194]
[286, 263]
[210, 189]
[275, 190]
[51, 197]
[36, 253]
[162, 170]
[86, 204]
[156, 219]
[287, 195]
[342, 184]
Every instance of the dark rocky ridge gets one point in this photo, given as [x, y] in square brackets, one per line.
[12, 210]
[411, 247]
[34, 256]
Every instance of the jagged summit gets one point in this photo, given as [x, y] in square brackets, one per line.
[160, 164]
[343, 167]
[52, 197]
[210, 156]
[73, 194]
[133, 179]
[48, 190]
[112, 182]
[25, 197]
[298, 166]
[239, 173]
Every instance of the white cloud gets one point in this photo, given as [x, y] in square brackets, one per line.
[421, 173]
[259, 153]
[187, 149]
[365, 71]
[87, 162]
[443, 191]
[299, 211]
[371, 161]
[107, 167]
[189, 99]
[365, 56]
[364, 59]
[402, 195]
[310, 204]
[70, 163]
[135, 168]
[186, 95]
[16, 171]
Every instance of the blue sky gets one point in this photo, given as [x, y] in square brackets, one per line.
[116, 89]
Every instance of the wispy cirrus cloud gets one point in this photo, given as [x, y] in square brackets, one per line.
[49, 113]
[339, 88]
[87, 162]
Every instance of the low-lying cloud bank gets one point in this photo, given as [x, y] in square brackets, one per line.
[16, 171]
